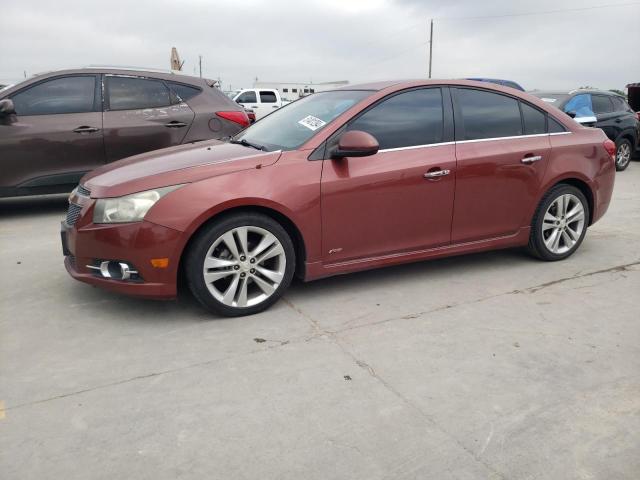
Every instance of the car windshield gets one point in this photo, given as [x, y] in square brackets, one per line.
[554, 99]
[289, 127]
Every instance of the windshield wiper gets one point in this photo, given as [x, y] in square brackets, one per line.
[248, 144]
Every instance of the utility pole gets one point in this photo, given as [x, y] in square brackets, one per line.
[200, 64]
[430, 46]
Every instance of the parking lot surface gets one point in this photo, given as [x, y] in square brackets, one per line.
[492, 365]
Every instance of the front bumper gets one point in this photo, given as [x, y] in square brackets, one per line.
[135, 243]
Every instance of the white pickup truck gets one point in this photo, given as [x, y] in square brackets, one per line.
[262, 101]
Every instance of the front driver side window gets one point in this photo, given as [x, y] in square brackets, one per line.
[405, 120]
[61, 95]
[580, 105]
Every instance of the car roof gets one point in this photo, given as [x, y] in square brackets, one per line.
[409, 83]
[160, 74]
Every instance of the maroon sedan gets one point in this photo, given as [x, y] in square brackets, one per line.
[340, 181]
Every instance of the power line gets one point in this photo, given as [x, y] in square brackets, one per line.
[547, 12]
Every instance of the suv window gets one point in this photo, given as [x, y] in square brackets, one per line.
[61, 95]
[404, 120]
[184, 92]
[247, 97]
[129, 93]
[534, 120]
[619, 105]
[580, 105]
[268, 97]
[488, 115]
[601, 104]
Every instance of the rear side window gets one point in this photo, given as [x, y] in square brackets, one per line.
[488, 115]
[184, 92]
[555, 126]
[247, 97]
[268, 97]
[619, 105]
[601, 104]
[61, 95]
[534, 120]
[404, 120]
[129, 93]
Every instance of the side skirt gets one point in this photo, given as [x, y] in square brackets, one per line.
[316, 270]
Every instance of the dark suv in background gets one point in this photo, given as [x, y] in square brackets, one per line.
[57, 126]
[601, 109]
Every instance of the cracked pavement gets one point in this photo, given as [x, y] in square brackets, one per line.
[490, 366]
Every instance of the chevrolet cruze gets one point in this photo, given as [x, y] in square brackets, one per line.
[340, 181]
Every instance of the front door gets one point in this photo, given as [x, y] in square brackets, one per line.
[56, 134]
[502, 155]
[400, 199]
[142, 115]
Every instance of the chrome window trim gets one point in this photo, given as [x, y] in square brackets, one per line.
[413, 147]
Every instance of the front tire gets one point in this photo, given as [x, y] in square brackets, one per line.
[624, 152]
[559, 224]
[240, 265]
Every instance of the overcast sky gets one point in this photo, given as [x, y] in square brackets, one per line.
[325, 40]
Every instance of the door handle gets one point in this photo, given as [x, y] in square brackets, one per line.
[275, 106]
[437, 173]
[618, 120]
[175, 124]
[86, 129]
[532, 159]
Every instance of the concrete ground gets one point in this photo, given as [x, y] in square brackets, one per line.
[484, 366]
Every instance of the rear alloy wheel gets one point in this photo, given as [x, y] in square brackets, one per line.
[623, 154]
[560, 223]
[241, 265]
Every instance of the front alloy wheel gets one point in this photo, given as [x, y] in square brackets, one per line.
[559, 224]
[240, 265]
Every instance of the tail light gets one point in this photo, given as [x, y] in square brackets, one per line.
[238, 117]
[610, 147]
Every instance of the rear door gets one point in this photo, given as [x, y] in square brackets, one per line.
[56, 135]
[502, 156]
[608, 119]
[141, 114]
[268, 102]
[400, 199]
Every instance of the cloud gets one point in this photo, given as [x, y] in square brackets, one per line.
[358, 40]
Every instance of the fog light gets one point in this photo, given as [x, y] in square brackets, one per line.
[114, 269]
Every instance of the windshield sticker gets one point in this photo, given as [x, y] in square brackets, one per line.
[312, 123]
[550, 100]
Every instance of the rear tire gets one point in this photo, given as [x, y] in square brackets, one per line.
[624, 152]
[559, 224]
[240, 264]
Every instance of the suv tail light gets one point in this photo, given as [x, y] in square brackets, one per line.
[240, 118]
[610, 147]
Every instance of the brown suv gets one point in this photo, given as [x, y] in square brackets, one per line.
[57, 126]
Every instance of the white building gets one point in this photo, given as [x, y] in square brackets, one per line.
[290, 91]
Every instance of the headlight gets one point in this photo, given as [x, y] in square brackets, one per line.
[130, 208]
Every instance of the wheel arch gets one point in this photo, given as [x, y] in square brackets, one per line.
[290, 227]
[583, 187]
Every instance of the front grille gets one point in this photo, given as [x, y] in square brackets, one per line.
[73, 213]
[83, 191]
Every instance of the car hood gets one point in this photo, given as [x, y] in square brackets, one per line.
[173, 166]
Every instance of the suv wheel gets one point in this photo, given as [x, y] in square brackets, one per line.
[624, 152]
[559, 224]
[240, 265]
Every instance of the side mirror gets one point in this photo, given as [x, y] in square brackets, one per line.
[6, 107]
[356, 143]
